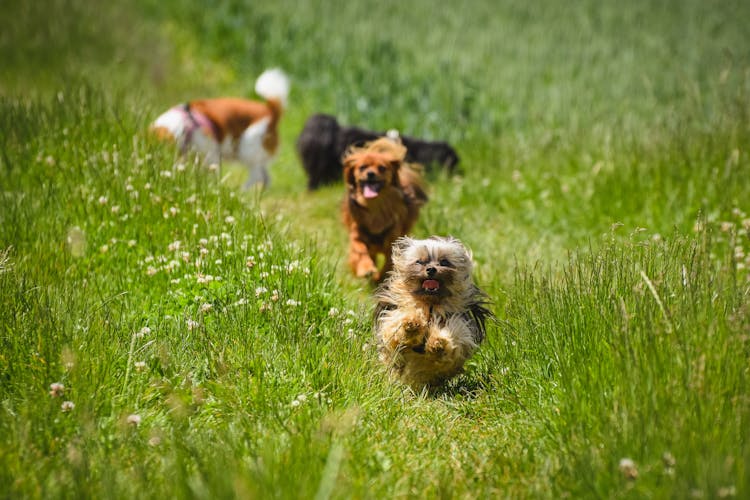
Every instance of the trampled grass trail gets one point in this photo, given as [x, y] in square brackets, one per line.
[165, 334]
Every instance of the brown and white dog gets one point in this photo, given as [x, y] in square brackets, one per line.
[231, 128]
[383, 197]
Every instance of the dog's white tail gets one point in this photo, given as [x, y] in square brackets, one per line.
[273, 84]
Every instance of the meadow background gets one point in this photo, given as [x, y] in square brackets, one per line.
[210, 343]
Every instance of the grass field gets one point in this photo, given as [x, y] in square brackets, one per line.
[165, 334]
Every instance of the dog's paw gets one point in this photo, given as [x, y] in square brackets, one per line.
[368, 272]
[437, 345]
[412, 327]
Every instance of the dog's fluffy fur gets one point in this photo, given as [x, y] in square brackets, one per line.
[231, 128]
[382, 202]
[430, 316]
[323, 142]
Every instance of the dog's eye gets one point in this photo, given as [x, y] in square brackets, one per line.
[362, 168]
[421, 262]
[381, 169]
[445, 263]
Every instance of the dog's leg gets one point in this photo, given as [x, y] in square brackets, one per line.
[258, 174]
[453, 341]
[361, 261]
[413, 332]
[398, 331]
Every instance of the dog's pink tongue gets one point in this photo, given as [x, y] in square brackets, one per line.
[431, 284]
[369, 192]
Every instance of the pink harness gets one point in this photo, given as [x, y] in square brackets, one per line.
[194, 121]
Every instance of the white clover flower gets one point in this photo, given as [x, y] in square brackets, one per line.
[132, 243]
[292, 302]
[166, 174]
[333, 312]
[140, 365]
[206, 307]
[174, 246]
[67, 406]
[185, 256]
[260, 291]
[180, 167]
[174, 211]
[134, 420]
[203, 251]
[203, 242]
[143, 332]
[628, 468]
[151, 270]
[102, 200]
[56, 389]
[292, 266]
[191, 324]
[230, 219]
[275, 295]
[214, 167]
[115, 209]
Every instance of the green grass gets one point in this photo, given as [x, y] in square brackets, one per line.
[212, 341]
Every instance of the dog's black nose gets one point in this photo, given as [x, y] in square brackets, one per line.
[370, 176]
[431, 271]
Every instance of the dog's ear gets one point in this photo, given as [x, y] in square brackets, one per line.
[400, 245]
[349, 161]
[395, 165]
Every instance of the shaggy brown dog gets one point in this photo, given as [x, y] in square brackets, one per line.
[323, 142]
[430, 316]
[383, 198]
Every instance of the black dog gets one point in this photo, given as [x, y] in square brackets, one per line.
[323, 142]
